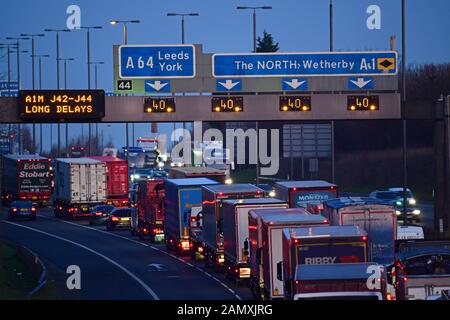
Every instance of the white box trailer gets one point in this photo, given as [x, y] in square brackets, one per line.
[80, 183]
[235, 232]
[376, 217]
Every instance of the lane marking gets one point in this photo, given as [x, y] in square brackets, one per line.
[132, 275]
[152, 247]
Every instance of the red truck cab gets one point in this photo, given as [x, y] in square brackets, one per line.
[324, 245]
[149, 219]
[347, 281]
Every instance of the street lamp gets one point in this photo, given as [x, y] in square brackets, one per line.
[40, 56]
[254, 19]
[96, 87]
[124, 23]
[32, 36]
[125, 41]
[182, 15]
[65, 60]
[88, 40]
[95, 64]
[57, 31]
[404, 131]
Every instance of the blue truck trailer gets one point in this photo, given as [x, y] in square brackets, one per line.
[181, 196]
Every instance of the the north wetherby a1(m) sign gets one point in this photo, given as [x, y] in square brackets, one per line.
[156, 61]
[254, 65]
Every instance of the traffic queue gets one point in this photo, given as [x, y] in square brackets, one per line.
[301, 241]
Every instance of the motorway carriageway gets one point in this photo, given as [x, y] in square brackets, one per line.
[116, 266]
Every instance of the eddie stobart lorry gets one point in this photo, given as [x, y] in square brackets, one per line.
[80, 184]
[344, 250]
[182, 196]
[265, 235]
[213, 216]
[26, 177]
[235, 233]
[306, 194]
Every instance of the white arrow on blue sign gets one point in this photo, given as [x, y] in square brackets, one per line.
[229, 85]
[360, 83]
[157, 86]
[295, 84]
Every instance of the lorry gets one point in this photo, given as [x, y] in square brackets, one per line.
[323, 245]
[116, 180]
[235, 233]
[181, 197]
[265, 244]
[345, 281]
[148, 218]
[306, 194]
[80, 184]
[375, 216]
[199, 172]
[213, 216]
[421, 269]
[26, 177]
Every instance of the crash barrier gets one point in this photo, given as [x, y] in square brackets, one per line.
[35, 265]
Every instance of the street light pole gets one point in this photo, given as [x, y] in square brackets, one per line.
[331, 26]
[405, 140]
[40, 56]
[125, 41]
[254, 50]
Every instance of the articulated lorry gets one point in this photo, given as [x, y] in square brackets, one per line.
[147, 221]
[376, 217]
[235, 233]
[265, 242]
[26, 177]
[421, 269]
[306, 194]
[116, 180]
[182, 196]
[322, 245]
[80, 184]
[213, 216]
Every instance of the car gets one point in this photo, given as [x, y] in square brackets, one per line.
[119, 218]
[158, 174]
[99, 214]
[394, 197]
[22, 209]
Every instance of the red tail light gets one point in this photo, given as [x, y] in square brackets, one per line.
[364, 238]
[14, 209]
[33, 209]
[98, 213]
[114, 219]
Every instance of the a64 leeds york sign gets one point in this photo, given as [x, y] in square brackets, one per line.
[64, 105]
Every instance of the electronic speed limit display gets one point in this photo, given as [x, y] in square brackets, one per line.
[227, 104]
[363, 103]
[159, 105]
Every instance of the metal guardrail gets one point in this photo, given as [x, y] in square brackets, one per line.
[37, 267]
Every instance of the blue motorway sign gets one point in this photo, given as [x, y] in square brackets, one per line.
[9, 86]
[156, 61]
[253, 65]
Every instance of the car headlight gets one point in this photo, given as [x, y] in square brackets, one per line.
[397, 212]
[228, 181]
[136, 176]
[412, 201]
[416, 212]
[172, 164]
[272, 194]
[399, 203]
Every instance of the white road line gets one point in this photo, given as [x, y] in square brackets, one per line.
[152, 247]
[132, 275]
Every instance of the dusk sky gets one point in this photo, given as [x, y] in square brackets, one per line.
[298, 25]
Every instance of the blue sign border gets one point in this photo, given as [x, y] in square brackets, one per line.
[306, 74]
[158, 77]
